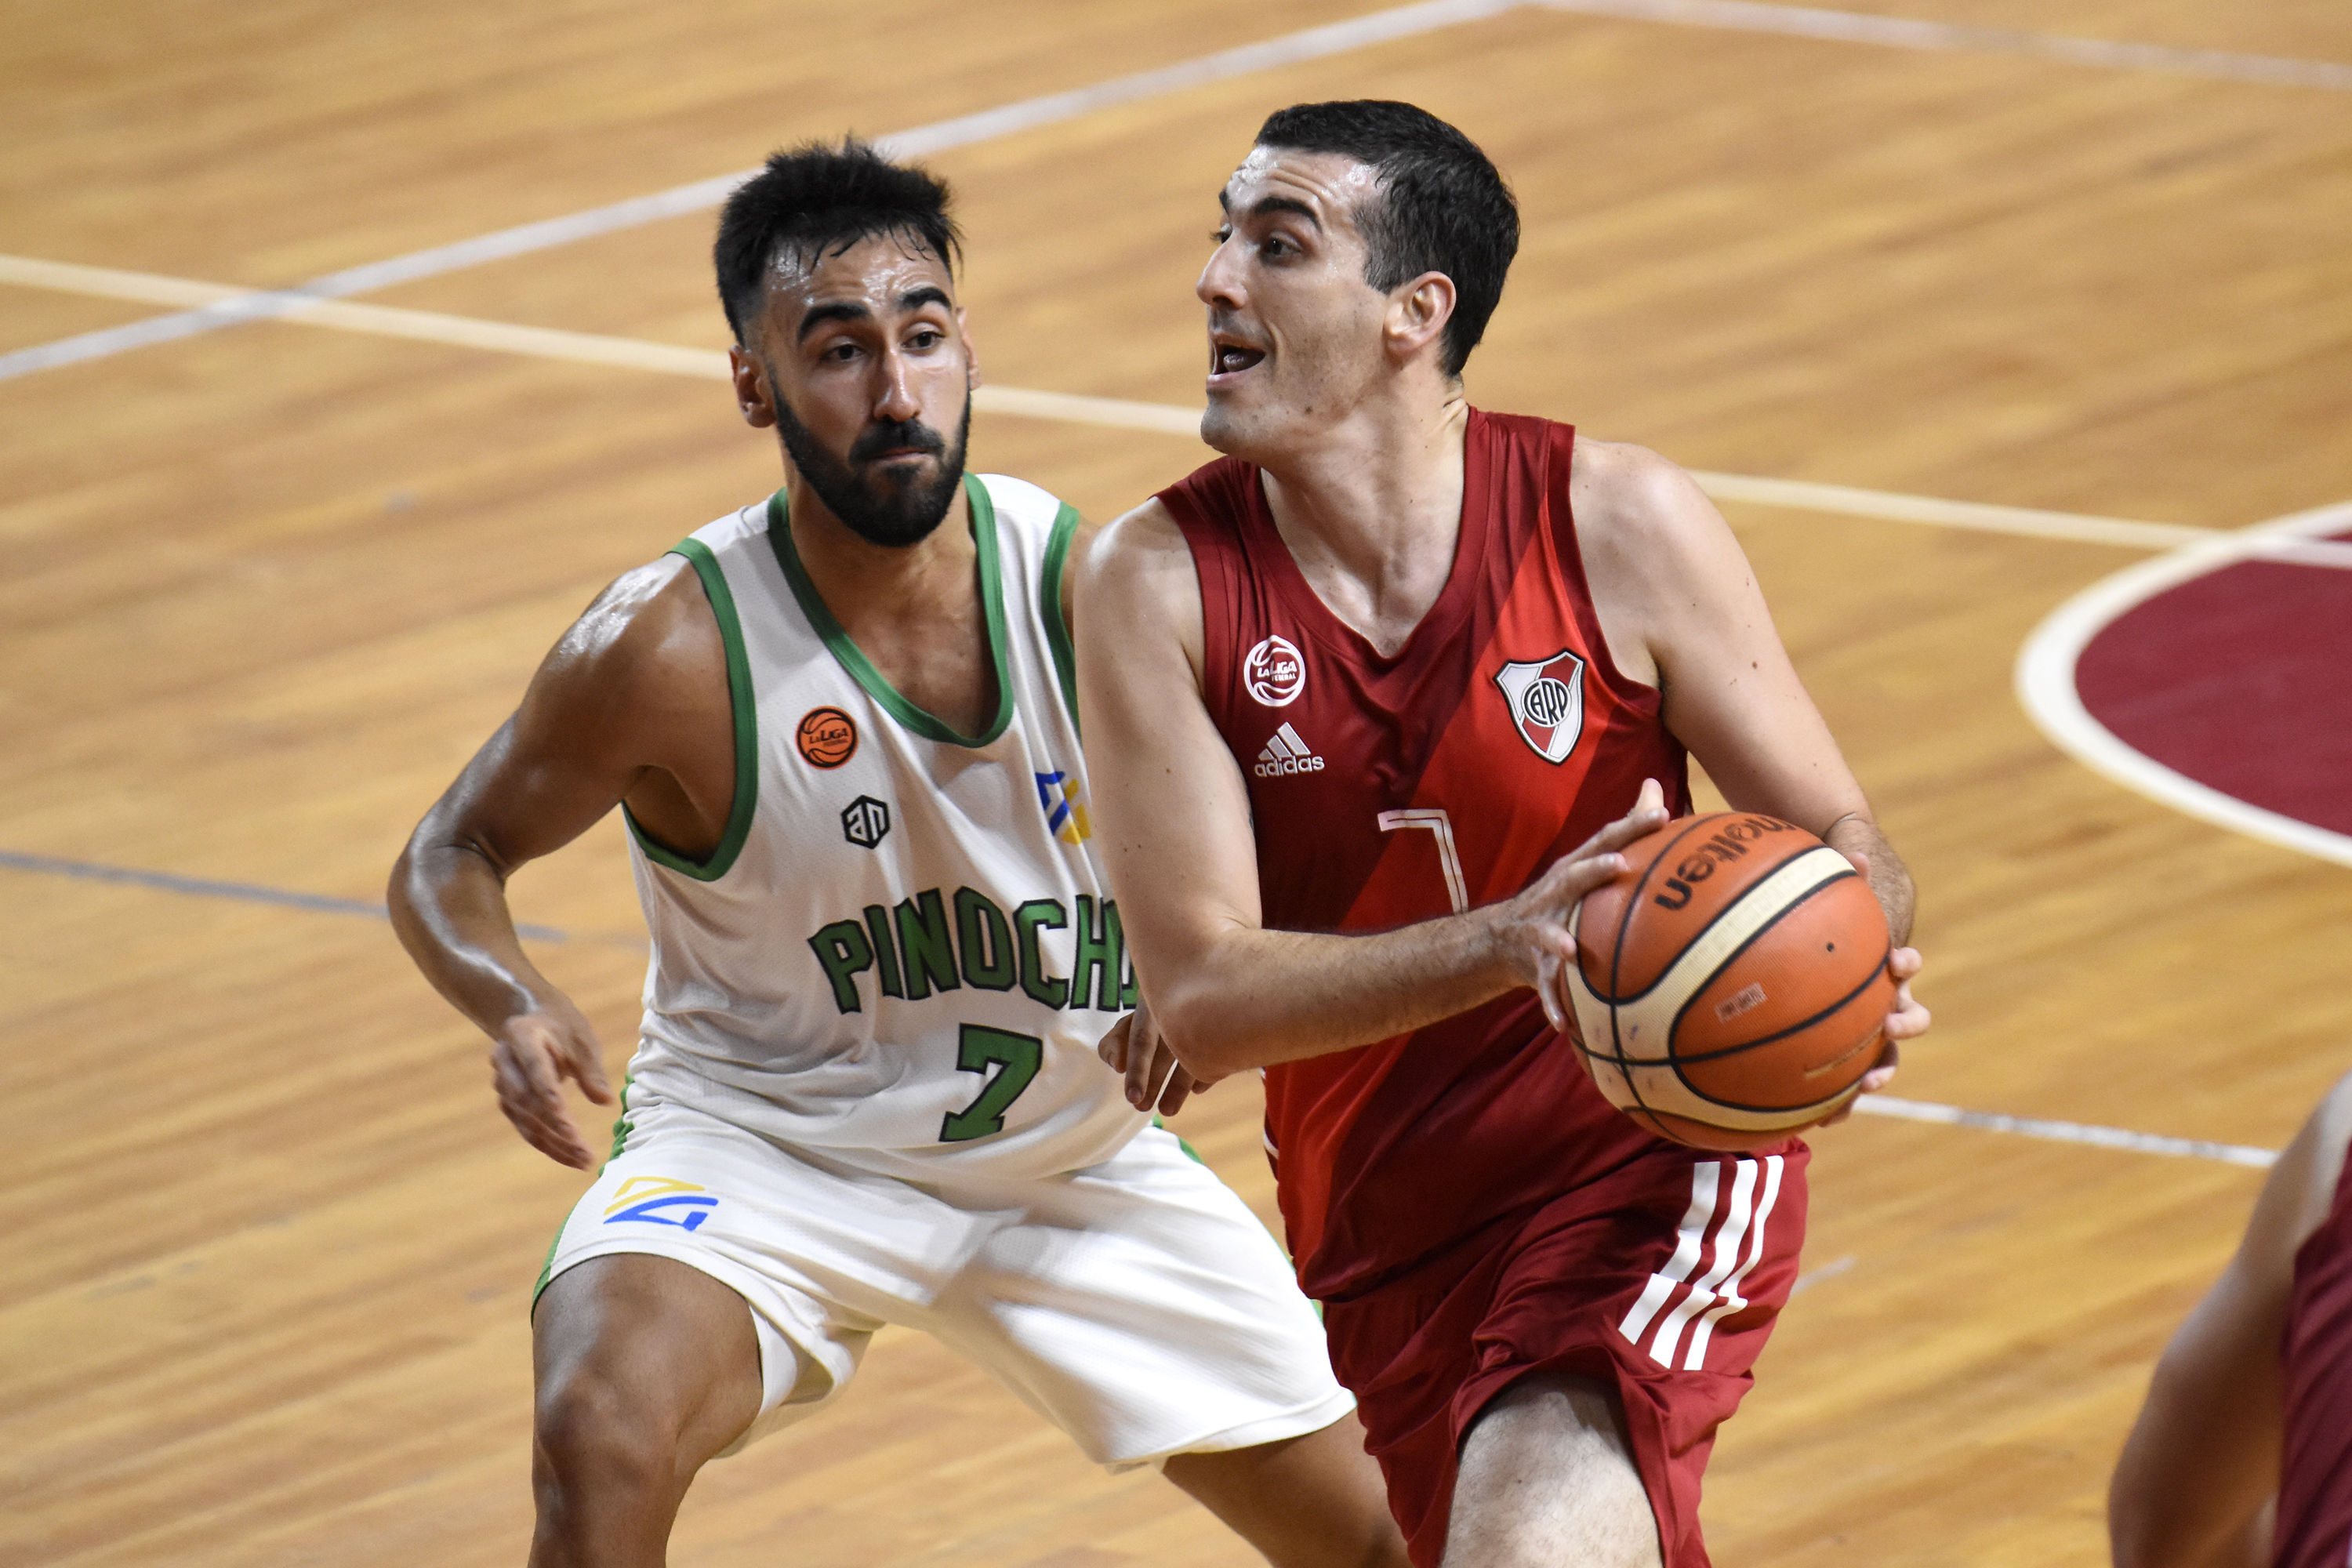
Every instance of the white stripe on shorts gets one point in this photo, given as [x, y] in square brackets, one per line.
[1727, 1258]
[1733, 1300]
[1738, 1248]
[1700, 1215]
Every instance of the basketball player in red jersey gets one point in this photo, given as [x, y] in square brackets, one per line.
[1369, 704]
[2242, 1455]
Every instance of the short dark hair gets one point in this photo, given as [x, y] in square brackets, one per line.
[1444, 207]
[817, 195]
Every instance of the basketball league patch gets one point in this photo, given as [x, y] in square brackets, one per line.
[1275, 672]
[826, 737]
[1547, 698]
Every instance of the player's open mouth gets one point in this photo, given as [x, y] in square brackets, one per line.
[1227, 359]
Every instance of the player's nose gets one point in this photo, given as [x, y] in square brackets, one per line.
[896, 398]
[1220, 282]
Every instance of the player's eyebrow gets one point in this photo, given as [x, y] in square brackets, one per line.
[1266, 206]
[842, 310]
[851, 310]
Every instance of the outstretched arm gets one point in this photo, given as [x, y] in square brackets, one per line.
[2199, 1474]
[1173, 818]
[620, 708]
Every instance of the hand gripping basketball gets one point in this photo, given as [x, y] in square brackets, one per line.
[1735, 985]
[1543, 913]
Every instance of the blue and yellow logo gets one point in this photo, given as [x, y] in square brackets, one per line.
[660, 1200]
[1065, 804]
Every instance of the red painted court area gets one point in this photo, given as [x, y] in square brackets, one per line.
[2241, 680]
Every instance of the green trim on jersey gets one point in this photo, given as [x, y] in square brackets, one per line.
[747, 730]
[1049, 607]
[861, 669]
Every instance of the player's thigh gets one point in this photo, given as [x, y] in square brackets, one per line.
[644, 1352]
[1547, 1476]
[1141, 1307]
[1310, 1502]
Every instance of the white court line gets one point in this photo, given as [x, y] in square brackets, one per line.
[1845, 499]
[709, 365]
[1914, 33]
[2068, 1131]
[2046, 689]
[1827, 1271]
[1314, 43]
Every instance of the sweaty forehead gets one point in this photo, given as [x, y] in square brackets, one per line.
[1333, 185]
[876, 272]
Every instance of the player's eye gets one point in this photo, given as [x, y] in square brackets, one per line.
[1219, 236]
[928, 338]
[1275, 247]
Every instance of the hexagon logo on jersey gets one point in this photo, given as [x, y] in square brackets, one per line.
[1547, 698]
[1275, 672]
[865, 822]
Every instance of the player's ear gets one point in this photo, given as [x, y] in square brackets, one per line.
[1418, 311]
[750, 388]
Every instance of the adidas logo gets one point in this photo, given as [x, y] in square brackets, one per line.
[1286, 753]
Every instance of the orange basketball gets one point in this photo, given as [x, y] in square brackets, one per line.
[1733, 986]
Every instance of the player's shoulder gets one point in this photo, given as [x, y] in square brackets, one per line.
[1136, 546]
[2299, 1192]
[2331, 1137]
[1032, 508]
[652, 625]
[1631, 485]
[1643, 509]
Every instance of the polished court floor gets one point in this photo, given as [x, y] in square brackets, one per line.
[268, 577]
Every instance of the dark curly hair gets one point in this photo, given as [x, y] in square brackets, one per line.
[816, 196]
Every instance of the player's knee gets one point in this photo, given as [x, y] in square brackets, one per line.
[592, 1431]
[1548, 1475]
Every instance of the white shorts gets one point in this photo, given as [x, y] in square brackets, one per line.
[1137, 1304]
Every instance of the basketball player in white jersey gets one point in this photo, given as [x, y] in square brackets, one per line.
[840, 725]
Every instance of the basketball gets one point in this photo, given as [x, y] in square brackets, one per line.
[1732, 987]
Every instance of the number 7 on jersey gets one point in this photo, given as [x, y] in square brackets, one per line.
[1433, 820]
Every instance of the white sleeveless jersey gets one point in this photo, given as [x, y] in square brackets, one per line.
[901, 955]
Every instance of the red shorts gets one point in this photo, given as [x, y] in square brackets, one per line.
[1662, 1278]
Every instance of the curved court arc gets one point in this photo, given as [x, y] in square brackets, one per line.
[2213, 678]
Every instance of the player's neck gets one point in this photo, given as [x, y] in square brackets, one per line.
[1373, 511]
[874, 586]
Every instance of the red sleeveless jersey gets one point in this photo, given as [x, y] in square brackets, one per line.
[1389, 790]
[2314, 1500]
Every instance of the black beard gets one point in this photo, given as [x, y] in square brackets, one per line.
[883, 509]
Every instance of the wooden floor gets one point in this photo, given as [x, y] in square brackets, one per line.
[268, 1245]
